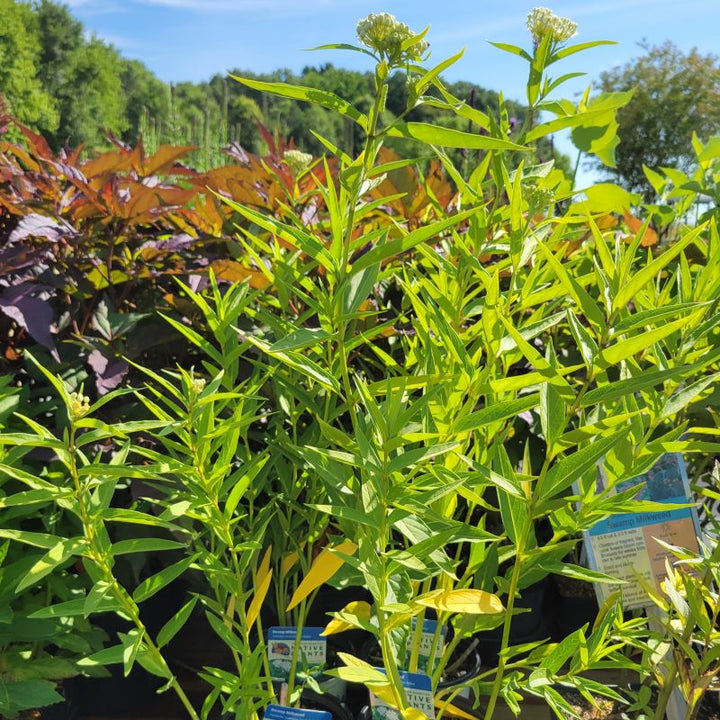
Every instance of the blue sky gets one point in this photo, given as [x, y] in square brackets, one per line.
[194, 39]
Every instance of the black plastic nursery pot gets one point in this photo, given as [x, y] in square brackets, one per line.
[463, 666]
[311, 700]
[575, 604]
[117, 694]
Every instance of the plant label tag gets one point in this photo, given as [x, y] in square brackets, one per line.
[429, 628]
[418, 689]
[626, 546]
[281, 645]
[277, 712]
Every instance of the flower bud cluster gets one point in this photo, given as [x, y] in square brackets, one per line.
[538, 198]
[296, 160]
[385, 34]
[542, 21]
[198, 385]
[79, 405]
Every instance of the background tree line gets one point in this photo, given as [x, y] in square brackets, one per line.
[74, 89]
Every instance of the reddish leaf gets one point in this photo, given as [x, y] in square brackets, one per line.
[234, 272]
[649, 237]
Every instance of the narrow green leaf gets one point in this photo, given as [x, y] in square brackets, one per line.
[412, 458]
[628, 386]
[637, 344]
[531, 331]
[683, 397]
[60, 553]
[108, 656]
[143, 545]
[312, 95]
[301, 363]
[175, 623]
[576, 291]
[33, 497]
[147, 588]
[577, 572]
[424, 81]
[301, 239]
[74, 608]
[552, 414]
[649, 272]
[579, 47]
[572, 467]
[653, 316]
[448, 137]
[497, 412]
[358, 288]
[394, 247]
[300, 338]
[36, 539]
[513, 50]
[586, 343]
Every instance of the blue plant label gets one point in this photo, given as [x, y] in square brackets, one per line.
[281, 646]
[278, 712]
[418, 690]
[429, 628]
[625, 546]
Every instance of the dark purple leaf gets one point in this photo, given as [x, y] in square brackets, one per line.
[109, 371]
[238, 152]
[172, 244]
[310, 214]
[34, 225]
[69, 171]
[198, 282]
[25, 305]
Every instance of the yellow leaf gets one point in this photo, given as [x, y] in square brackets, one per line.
[325, 565]
[352, 661]
[363, 675]
[261, 587]
[399, 618]
[259, 597]
[264, 568]
[411, 713]
[289, 562]
[359, 608]
[230, 612]
[447, 707]
[470, 602]
[385, 693]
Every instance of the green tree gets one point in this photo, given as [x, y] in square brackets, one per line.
[20, 56]
[91, 99]
[675, 94]
[146, 96]
[60, 36]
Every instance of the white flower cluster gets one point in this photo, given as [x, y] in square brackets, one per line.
[296, 160]
[385, 34]
[542, 21]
